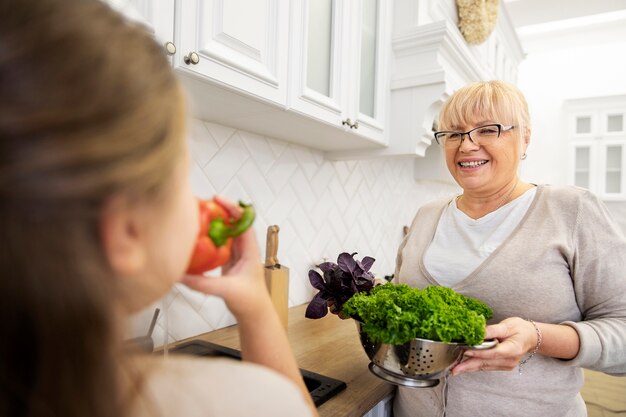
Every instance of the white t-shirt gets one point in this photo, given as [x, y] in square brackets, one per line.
[461, 243]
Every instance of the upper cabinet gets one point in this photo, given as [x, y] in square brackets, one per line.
[311, 72]
[239, 44]
[334, 75]
[339, 63]
[156, 15]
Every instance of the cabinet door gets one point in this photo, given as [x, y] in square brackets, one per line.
[156, 15]
[370, 57]
[339, 63]
[241, 44]
[319, 56]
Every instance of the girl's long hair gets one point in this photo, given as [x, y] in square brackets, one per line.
[87, 102]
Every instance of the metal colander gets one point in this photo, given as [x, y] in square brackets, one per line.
[418, 363]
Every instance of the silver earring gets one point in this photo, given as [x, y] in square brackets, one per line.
[523, 156]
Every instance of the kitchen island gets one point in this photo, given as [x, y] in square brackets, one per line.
[328, 346]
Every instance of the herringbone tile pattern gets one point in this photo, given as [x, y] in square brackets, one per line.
[322, 207]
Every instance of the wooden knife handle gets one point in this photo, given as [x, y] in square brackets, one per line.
[271, 247]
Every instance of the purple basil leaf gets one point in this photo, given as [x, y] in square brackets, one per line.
[327, 266]
[346, 262]
[328, 277]
[338, 283]
[325, 295]
[367, 262]
[365, 276]
[366, 286]
[346, 281]
[317, 308]
[316, 280]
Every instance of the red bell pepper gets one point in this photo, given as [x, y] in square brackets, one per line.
[215, 238]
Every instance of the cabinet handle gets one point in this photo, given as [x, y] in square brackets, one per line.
[349, 123]
[170, 48]
[191, 58]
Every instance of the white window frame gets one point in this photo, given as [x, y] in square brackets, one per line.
[605, 121]
[598, 140]
[594, 123]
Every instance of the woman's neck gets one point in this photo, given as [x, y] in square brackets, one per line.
[477, 206]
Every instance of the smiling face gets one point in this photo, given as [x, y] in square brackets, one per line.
[485, 168]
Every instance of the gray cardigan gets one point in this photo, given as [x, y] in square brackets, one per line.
[564, 263]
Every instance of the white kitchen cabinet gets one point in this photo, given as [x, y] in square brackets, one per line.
[239, 44]
[156, 15]
[339, 63]
[310, 72]
[596, 132]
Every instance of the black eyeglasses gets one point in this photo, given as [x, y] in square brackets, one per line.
[479, 135]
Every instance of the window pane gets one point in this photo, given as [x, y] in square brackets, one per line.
[368, 57]
[319, 46]
[613, 182]
[581, 169]
[582, 159]
[614, 157]
[582, 179]
[615, 123]
[613, 169]
[583, 124]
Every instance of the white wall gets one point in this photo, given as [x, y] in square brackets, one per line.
[322, 207]
[548, 77]
[585, 63]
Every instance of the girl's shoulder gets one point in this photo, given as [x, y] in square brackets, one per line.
[196, 386]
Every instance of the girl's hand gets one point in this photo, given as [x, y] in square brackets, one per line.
[242, 283]
[516, 336]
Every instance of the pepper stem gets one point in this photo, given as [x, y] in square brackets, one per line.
[220, 232]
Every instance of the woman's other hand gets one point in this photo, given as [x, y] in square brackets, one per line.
[517, 338]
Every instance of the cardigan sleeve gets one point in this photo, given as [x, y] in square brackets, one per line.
[598, 271]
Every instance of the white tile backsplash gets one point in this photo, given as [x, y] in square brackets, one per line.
[322, 207]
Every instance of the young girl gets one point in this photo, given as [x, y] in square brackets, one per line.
[97, 221]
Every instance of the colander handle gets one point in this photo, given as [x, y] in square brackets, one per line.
[487, 344]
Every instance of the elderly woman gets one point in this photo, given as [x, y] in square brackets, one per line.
[549, 260]
[97, 221]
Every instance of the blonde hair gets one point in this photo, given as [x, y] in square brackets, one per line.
[493, 100]
[88, 107]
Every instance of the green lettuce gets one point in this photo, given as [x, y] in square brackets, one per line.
[395, 314]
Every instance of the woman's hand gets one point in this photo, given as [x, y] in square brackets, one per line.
[516, 336]
[242, 284]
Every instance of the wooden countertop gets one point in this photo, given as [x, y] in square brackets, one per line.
[328, 346]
